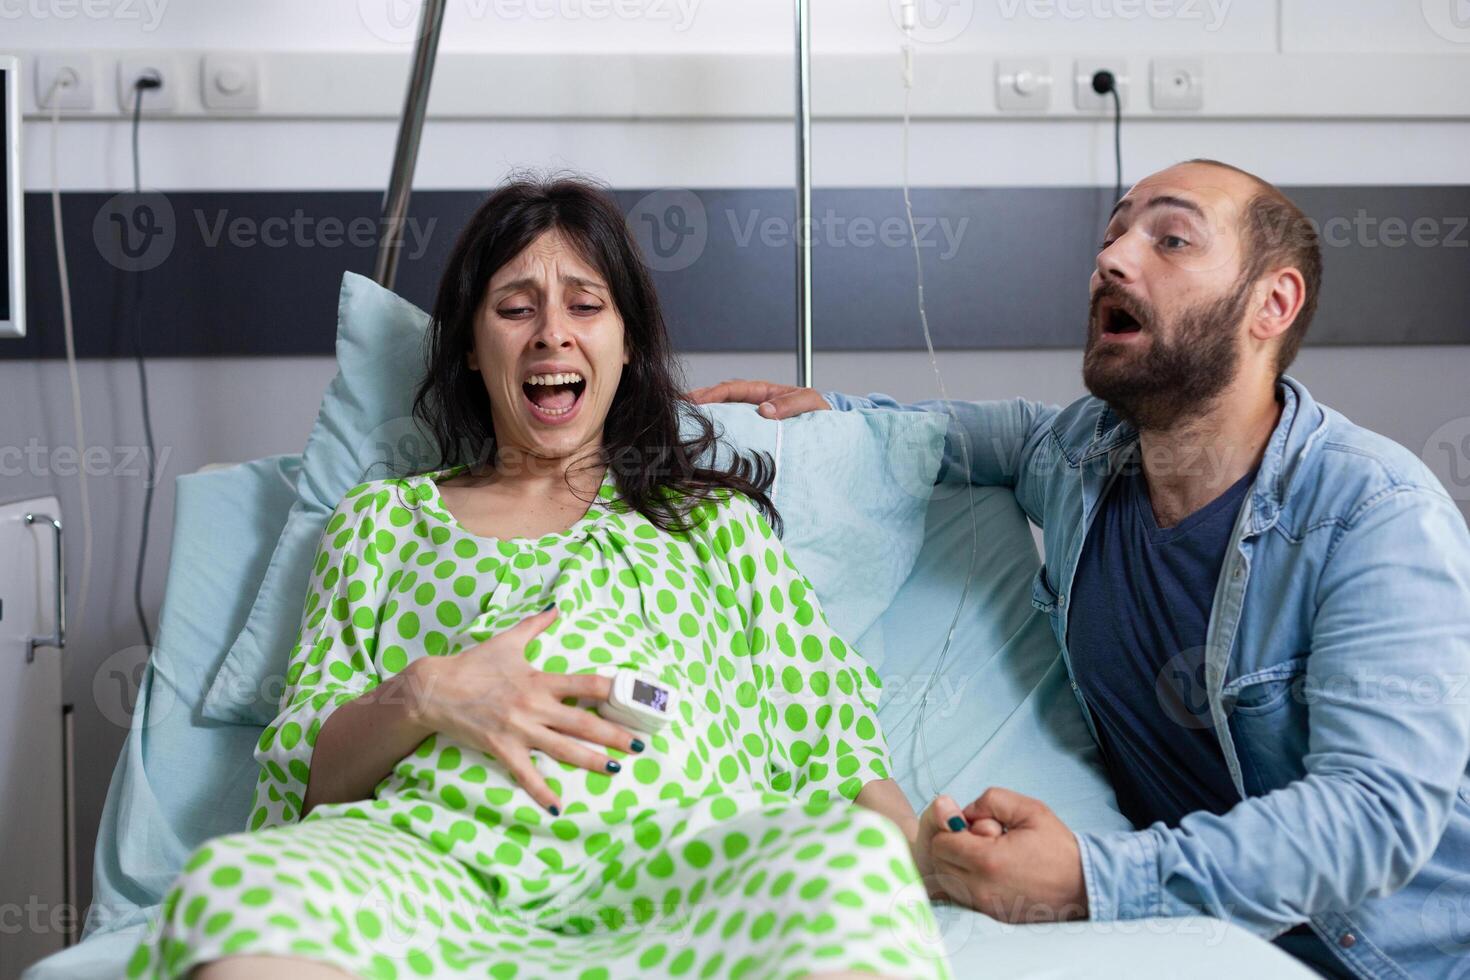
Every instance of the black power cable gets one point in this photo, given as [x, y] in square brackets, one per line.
[1104, 83]
[143, 84]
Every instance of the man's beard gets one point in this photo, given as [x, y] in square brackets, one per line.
[1184, 368]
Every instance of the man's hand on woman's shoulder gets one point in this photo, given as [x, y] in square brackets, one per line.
[775, 401]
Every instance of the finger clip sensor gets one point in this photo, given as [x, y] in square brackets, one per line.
[639, 701]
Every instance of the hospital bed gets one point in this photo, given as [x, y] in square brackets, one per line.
[1003, 714]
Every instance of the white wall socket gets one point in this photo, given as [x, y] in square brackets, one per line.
[230, 81]
[1023, 84]
[76, 69]
[1085, 98]
[1178, 83]
[132, 67]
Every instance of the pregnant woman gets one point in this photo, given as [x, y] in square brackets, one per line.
[440, 796]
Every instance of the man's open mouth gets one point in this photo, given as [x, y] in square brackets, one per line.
[554, 395]
[1114, 319]
[1118, 320]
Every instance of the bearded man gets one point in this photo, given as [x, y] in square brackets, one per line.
[1264, 609]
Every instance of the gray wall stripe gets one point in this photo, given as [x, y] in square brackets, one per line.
[256, 272]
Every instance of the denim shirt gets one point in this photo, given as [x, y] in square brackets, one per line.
[1337, 675]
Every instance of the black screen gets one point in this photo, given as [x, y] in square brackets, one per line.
[5, 178]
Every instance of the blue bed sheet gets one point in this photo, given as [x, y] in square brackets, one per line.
[1001, 713]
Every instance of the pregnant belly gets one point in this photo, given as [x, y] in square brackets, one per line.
[466, 801]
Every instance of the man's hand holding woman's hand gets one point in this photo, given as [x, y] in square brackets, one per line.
[774, 401]
[942, 817]
[1005, 854]
[490, 698]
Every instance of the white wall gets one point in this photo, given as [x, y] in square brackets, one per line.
[231, 409]
[738, 25]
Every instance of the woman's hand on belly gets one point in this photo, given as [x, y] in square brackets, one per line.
[490, 698]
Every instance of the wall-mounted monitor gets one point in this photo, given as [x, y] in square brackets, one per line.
[12, 239]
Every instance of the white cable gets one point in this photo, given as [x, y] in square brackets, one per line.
[921, 744]
[64, 81]
[776, 477]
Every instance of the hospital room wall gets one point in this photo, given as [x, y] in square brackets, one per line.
[220, 410]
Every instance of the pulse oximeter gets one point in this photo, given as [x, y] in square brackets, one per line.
[639, 701]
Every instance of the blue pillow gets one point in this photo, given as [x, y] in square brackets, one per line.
[851, 487]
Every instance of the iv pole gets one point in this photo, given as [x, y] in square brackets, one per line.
[803, 193]
[411, 125]
[406, 152]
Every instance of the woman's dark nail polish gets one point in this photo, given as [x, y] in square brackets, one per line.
[956, 823]
[554, 810]
[612, 766]
[637, 745]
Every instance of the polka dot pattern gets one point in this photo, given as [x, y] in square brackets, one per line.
[726, 848]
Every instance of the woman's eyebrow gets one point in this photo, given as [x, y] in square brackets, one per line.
[530, 282]
[525, 282]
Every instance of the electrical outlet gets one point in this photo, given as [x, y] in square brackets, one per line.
[80, 83]
[133, 67]
[1023, 84]
[1178, 83]
[1085, 98]
[231, 81]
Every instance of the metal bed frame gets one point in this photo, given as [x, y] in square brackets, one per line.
[411, 125]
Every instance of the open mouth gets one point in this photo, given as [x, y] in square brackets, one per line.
[1114, 320]
[1121, 321]
[554, 397]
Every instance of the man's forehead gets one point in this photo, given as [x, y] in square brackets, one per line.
[1214, 193]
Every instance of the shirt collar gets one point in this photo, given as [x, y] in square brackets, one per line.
[1301, 423]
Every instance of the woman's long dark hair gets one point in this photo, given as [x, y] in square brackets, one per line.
[658, 471]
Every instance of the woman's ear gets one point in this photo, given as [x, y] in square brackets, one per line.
[470, 360]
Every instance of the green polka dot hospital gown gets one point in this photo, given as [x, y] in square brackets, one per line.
[727, 848]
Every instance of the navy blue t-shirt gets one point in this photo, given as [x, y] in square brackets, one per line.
[1140, 607]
